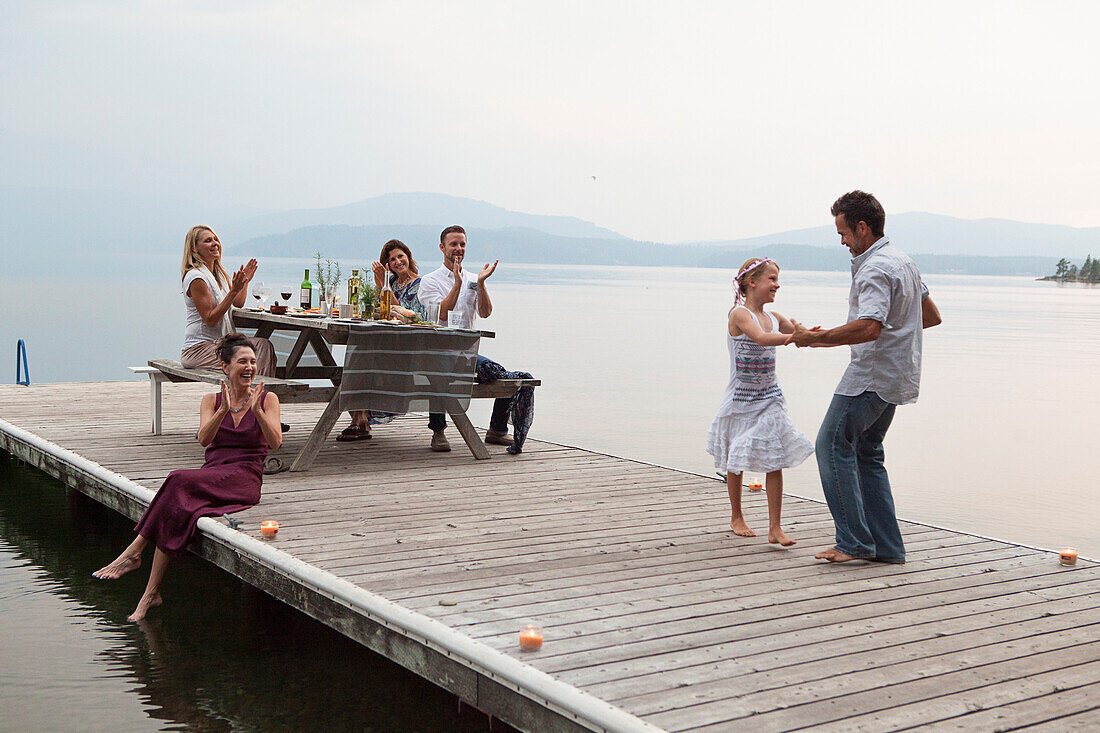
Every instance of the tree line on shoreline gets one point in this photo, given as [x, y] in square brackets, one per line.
[1066, 271]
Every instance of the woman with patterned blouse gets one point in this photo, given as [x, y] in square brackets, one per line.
[396, 262]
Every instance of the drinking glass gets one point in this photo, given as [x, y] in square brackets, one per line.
[455, 319]
[258, 294]
[262, 293]
[431, 313]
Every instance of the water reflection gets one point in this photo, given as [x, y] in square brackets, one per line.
[217, 656]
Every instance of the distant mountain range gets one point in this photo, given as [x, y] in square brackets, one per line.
[64, 221]
[430, 210]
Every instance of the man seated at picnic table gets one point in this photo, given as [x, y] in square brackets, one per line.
[455, 289]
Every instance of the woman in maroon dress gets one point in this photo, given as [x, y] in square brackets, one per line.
[237, 427]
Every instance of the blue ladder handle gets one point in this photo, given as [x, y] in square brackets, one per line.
[21, 356]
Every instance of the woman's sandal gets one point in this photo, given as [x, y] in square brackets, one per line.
[353, 432]
[274, 465]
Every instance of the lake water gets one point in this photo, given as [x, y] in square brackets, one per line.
[634, 363]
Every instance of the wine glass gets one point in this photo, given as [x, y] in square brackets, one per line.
[286, 292]
[265, 293]
[258, 293]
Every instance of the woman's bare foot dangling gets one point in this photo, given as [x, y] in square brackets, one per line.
[740, 528]
[123, 564]
[147, 601]
[777, 536]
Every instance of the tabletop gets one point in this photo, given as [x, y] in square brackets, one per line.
[333, 330]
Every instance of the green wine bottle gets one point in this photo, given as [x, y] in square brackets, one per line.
[353, 293]
[307, 292]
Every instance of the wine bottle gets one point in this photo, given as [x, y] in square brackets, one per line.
[353, 293]
[385, 296]
[307, 292]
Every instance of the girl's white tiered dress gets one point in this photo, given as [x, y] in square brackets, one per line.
[752, 431]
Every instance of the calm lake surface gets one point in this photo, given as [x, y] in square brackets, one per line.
[633, 362]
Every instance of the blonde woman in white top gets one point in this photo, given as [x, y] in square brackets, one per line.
[208, 294]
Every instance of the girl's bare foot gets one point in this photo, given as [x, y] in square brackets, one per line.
[123, 564]
[740, 528]
[147, 601]
[833, 555]
[777, 536]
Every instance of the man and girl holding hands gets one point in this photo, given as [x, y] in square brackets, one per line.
[888, 308]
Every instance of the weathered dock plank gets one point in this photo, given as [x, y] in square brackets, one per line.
[655, 615]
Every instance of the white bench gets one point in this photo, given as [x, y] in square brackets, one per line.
[156, 378]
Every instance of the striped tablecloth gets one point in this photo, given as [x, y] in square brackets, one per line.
[408, 369]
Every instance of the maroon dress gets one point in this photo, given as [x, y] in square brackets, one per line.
[228, 481]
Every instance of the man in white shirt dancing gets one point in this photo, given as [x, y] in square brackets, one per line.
[454, 289]
[888, 310]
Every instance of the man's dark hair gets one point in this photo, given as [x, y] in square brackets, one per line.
[860, 206]
[453, 229]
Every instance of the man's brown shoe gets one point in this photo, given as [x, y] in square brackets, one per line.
[492, 436]
[439, 442]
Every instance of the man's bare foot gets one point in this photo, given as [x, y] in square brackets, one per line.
[122, 565]
[740, 528]
[777, 536]
[143, 606]
[833, 555]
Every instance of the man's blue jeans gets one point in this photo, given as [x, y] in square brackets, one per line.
[498, 421]
[853, 475]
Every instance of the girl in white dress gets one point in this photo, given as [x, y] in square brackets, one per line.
[752, 431]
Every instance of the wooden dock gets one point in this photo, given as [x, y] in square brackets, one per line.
[655, 615]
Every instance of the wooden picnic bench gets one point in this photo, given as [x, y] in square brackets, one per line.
[170, 370]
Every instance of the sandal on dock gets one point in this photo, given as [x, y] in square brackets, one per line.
[353, 432]
[274, 465]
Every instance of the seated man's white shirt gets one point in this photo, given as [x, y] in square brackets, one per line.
[435, 286]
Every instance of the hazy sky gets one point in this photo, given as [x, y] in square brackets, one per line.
[698, 120]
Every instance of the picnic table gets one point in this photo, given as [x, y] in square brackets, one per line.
[321, 333]
[306, 333]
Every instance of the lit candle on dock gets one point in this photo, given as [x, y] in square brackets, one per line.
[530, 639]
[1068, 556]
[269, 528]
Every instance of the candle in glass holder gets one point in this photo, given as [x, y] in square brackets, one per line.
[269, 528]
[1068, 556]
[530, 639]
